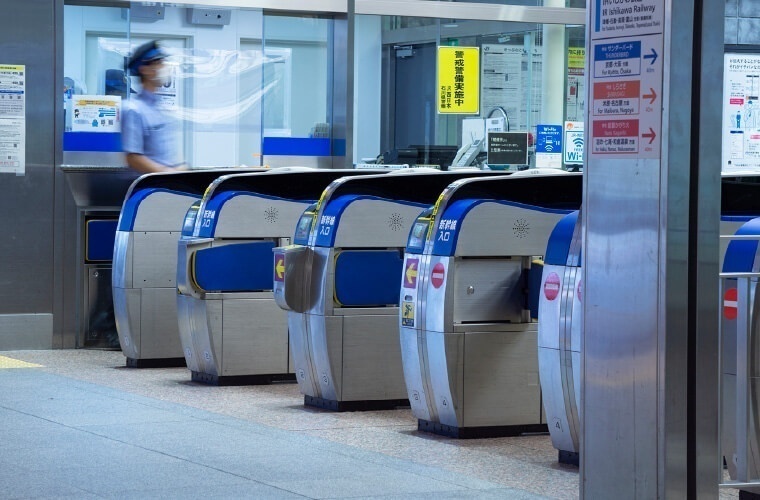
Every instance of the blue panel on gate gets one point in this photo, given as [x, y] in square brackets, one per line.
[100, 235]
[558, 246]
[238, 267]
[740, 254]
[368, 278]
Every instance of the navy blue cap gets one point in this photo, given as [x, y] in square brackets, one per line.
[144, 54]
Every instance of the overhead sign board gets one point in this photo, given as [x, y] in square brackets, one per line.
[458, 80]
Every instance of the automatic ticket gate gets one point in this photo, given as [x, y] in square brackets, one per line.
[145, 263]
[559, 336]
[740, 387]
[340, 285]
[468, 343]
[560, 312]
[231, 331]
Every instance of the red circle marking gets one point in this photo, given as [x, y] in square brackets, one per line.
[729, 303]
[438, 274]
[551, 286]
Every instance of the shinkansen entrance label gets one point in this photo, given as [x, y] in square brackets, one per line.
[626, 74]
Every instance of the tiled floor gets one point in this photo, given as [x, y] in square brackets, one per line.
[81, 425]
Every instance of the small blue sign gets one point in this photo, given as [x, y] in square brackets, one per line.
[549, 139]
[617, 51]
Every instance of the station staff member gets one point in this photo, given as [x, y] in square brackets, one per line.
[148, 134]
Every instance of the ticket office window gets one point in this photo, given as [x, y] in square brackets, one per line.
[232, 85]
[400, 74]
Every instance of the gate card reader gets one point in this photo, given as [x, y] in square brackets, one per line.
[145, 262]
[467, 340]
[340, 283]
[231, 331]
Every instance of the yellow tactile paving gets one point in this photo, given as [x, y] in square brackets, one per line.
[6, 362]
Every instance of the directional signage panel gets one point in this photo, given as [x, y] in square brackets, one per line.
[626, 80]
[616, 18]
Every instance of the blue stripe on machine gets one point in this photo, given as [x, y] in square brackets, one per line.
[211, 210]
[558, 247]
[329, 219]
[237, 267]
[740, 254]
[368, 278]
[450, 222]
[132, 205]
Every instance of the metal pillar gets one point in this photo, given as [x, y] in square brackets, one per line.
[651, 215]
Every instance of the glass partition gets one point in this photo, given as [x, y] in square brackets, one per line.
[296, 74]
[241, 81]
[530, 75]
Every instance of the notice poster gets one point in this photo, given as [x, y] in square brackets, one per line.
[12, 118]
[576, 86]
[741, 112]
[458, 80]
[96, 113]
[511, 79]
[502, 80]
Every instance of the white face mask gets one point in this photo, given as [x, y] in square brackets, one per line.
[164, 75]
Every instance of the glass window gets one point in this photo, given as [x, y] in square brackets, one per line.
[529, 75]
[295, 80]
[238, 78]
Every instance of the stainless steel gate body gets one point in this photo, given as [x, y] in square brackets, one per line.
[468, 343]
[231, 331]
[345, 345]
[145, 263]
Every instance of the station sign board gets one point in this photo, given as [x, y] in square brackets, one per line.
[626, 79]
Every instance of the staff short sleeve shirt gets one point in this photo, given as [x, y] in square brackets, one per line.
[149, 131]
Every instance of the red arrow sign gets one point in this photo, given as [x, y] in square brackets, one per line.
[651, 135]
[652, 96]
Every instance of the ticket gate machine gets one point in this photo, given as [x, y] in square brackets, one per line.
[559, 336]
[560, 312]
[340, 286]
[739, 322]
[467, 340]
[231, 331]
[145, 263]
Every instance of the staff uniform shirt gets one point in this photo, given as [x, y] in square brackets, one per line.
[148, 131]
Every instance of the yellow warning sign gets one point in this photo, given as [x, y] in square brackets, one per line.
[459, 80]
[6, 362]
[576, 57]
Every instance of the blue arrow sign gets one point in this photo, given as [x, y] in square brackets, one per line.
[652, 56]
